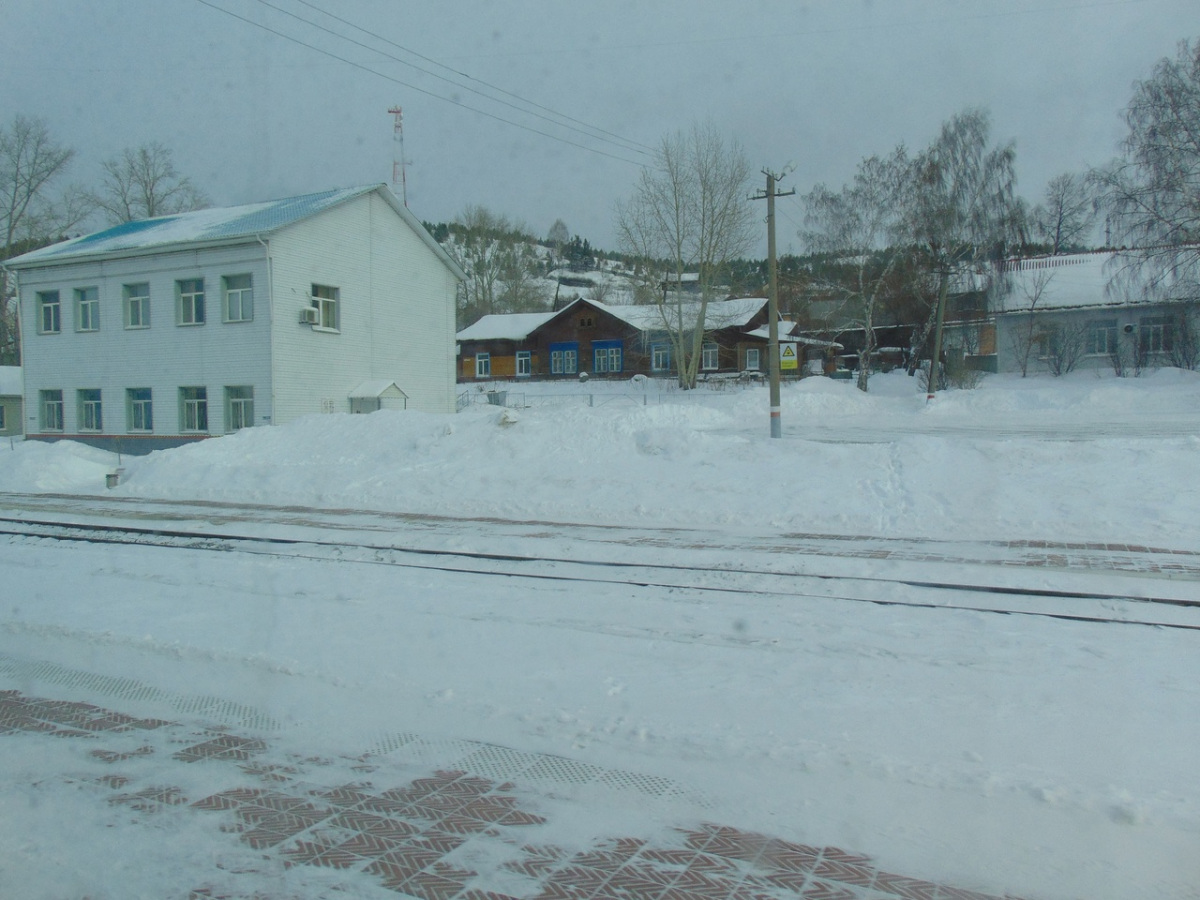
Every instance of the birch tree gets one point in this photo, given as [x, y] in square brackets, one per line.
[860, 226]
[1067, 214]
[1152, 193]
[142, 183]
[962, 209]
[689, 213]
[31, 162]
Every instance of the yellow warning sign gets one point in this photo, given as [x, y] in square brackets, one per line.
[787, 355]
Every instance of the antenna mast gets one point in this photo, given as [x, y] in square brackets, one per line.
[399, 183]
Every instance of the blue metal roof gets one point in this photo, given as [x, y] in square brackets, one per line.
[202, 226]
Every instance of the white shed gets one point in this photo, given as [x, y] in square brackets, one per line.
[181, 327]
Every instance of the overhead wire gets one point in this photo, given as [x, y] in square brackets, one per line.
[421, 90]
[634, 145]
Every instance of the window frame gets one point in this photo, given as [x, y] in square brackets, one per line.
[524, 364]
[2, 411]
[713, 349]
[239, 407]
[87, 306]
[245, 298]
[1156, 334]
[90, 409]
[564, 358]
[193, 410]
[53, 306]
[660, 357]
[139, 410]
[189, 304]
[757, 352]
[1110, 331]
[327, 300]
[608, 357]
[50, 410]
[483, 365]
[141, 302]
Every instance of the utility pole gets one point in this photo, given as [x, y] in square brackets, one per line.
[398, 164]
[773, 300]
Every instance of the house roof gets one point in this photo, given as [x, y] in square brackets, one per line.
[719, 314]
[505, 326]
[371, 390]
[1070, 281]
[232, 224]
[11, 382]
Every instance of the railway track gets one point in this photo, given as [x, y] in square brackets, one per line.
[993, 596]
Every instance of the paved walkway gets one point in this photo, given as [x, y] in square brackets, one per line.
[429, 836]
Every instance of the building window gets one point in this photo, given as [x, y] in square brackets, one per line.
[660, 358]
[90, 413]
[483, 365]
[87, 309]
[49, 312]
[191, 301]
[239, 408]
[139, 410]
[137, 305]
[564, 358]
[586, 322]
[52, 410]
[239, 298]
[1156, 334]
[606, 356]
[524, 363]
[325, 300]
[1102, 337]
[193, 409]
[753, 359]
[710, 357]
[1, 417]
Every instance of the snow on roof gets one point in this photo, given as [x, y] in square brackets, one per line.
[214, 226]
[370, 390]
[504, 326]
[719, 314]
[1071, 281]
[201, 226]
[11, 383]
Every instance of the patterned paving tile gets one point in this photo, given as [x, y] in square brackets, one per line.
[408, 836]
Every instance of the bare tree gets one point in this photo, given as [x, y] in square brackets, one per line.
[1152, 193]
[962, 209]
[30, 162]
[690, 212]
[860, 226]
[1025, 335]
[142, 182]
[499, 262]
[1067, 214]
[1064, 344]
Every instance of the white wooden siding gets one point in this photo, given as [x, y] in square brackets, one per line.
[163, 357]
[397, 311]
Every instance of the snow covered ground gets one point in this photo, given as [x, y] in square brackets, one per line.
[1044, 758]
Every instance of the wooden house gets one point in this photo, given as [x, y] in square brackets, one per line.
[611, 341]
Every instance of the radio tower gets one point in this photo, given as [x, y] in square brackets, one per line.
[399, 184]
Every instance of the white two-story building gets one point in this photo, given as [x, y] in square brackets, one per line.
[156, 332]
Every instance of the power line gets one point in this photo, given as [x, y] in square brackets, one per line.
[634, 145]
[414, 87]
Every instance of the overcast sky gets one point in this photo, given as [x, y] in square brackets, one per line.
[254, 115]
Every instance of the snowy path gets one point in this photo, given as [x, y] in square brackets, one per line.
[1001, 753]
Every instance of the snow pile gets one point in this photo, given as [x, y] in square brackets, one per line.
[622, 453]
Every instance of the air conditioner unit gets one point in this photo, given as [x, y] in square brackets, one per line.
[308, 315]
